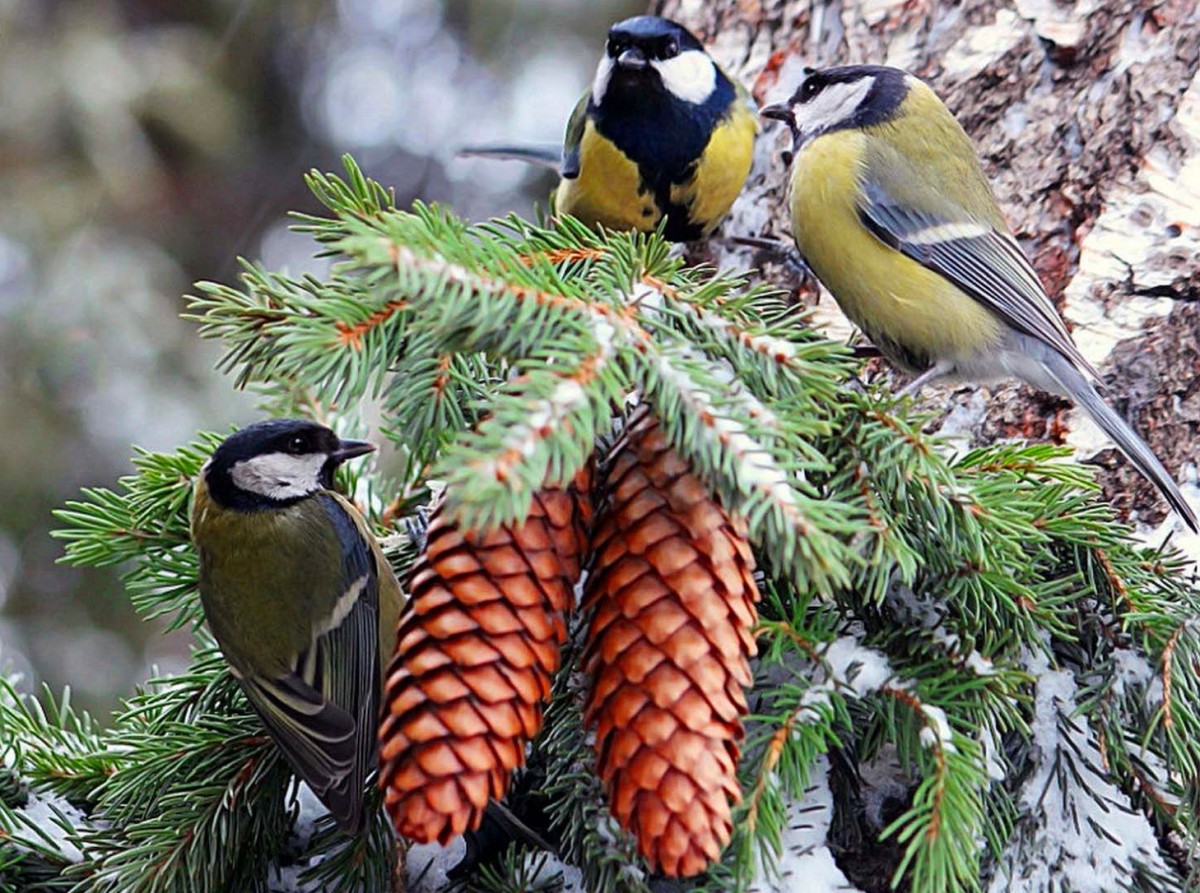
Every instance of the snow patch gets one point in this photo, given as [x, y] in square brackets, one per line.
[1057, 843]
[47, 813]
[806, 862]
[548, 869]
[936, 732]
[993, 753]
[429, 864]
[1130, 668]
[849, 667]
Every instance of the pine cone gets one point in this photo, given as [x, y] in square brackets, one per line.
[668, 652]
[475, 650]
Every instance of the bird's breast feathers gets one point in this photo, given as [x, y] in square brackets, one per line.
[267, 575]
[877, 287]
[615, 191]
[609, 189]
[721, 170]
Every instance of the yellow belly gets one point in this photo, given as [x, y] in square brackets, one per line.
[722, 170]
[609, 189]
[905, 309]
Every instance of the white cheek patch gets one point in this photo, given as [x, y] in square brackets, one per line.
[691, 76]
[603, 75]
[833, 105]
[279, 475]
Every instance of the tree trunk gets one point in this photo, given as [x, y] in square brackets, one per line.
[1087, 119]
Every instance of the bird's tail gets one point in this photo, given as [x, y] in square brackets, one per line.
[1135, 449]
[545, 156]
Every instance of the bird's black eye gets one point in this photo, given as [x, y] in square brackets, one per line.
[616, 46]
[670, 48]
[297, 444]
[811, 87]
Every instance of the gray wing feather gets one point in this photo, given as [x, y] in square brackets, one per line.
[317, 737]
[988, 265]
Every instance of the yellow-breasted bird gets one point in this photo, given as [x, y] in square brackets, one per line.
[300, 598]
[662, 132]
[892, 212]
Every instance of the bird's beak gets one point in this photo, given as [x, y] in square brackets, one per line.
[632, 59]
[781, 111]
[350, 449]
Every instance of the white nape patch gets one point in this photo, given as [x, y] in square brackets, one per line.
[280, 475]
[833, 105]
[343, 607]
[691, 75]
[603, 76]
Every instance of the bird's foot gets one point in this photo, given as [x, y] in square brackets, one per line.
[784, 253]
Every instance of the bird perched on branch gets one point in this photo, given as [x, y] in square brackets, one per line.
[663, 132]
[892, 212]
[300, 598]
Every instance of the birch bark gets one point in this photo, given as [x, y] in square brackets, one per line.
[1087, 118]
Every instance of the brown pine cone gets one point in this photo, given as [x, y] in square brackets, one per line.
[475, 650]
[668, 651]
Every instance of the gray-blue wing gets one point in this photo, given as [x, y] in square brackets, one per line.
[984, 262]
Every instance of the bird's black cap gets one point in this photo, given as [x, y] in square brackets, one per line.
[297, 437]
[649, 33]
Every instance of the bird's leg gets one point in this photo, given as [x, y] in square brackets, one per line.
[937, 370]
[417, 526]
[865, 351]
[785, 253]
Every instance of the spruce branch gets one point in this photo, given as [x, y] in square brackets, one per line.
[980, 619]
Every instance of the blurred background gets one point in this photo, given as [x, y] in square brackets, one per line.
[146, 144]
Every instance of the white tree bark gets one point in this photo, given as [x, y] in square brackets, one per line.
[1087, 118]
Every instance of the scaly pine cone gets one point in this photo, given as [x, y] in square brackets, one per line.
[475, 650]
[668, 652]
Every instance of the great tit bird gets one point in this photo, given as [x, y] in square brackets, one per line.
[662, 132]
[892, 212]
[300, 598]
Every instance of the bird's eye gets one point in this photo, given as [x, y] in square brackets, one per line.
[670, 49]
[810, 88]
[615, 46]
[296, 444]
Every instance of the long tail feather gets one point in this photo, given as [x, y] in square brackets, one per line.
[544, 156]
[1126, 439]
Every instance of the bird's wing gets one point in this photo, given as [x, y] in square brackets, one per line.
[391, 594]
[983, 261]
[574, 136]
[323, 713]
